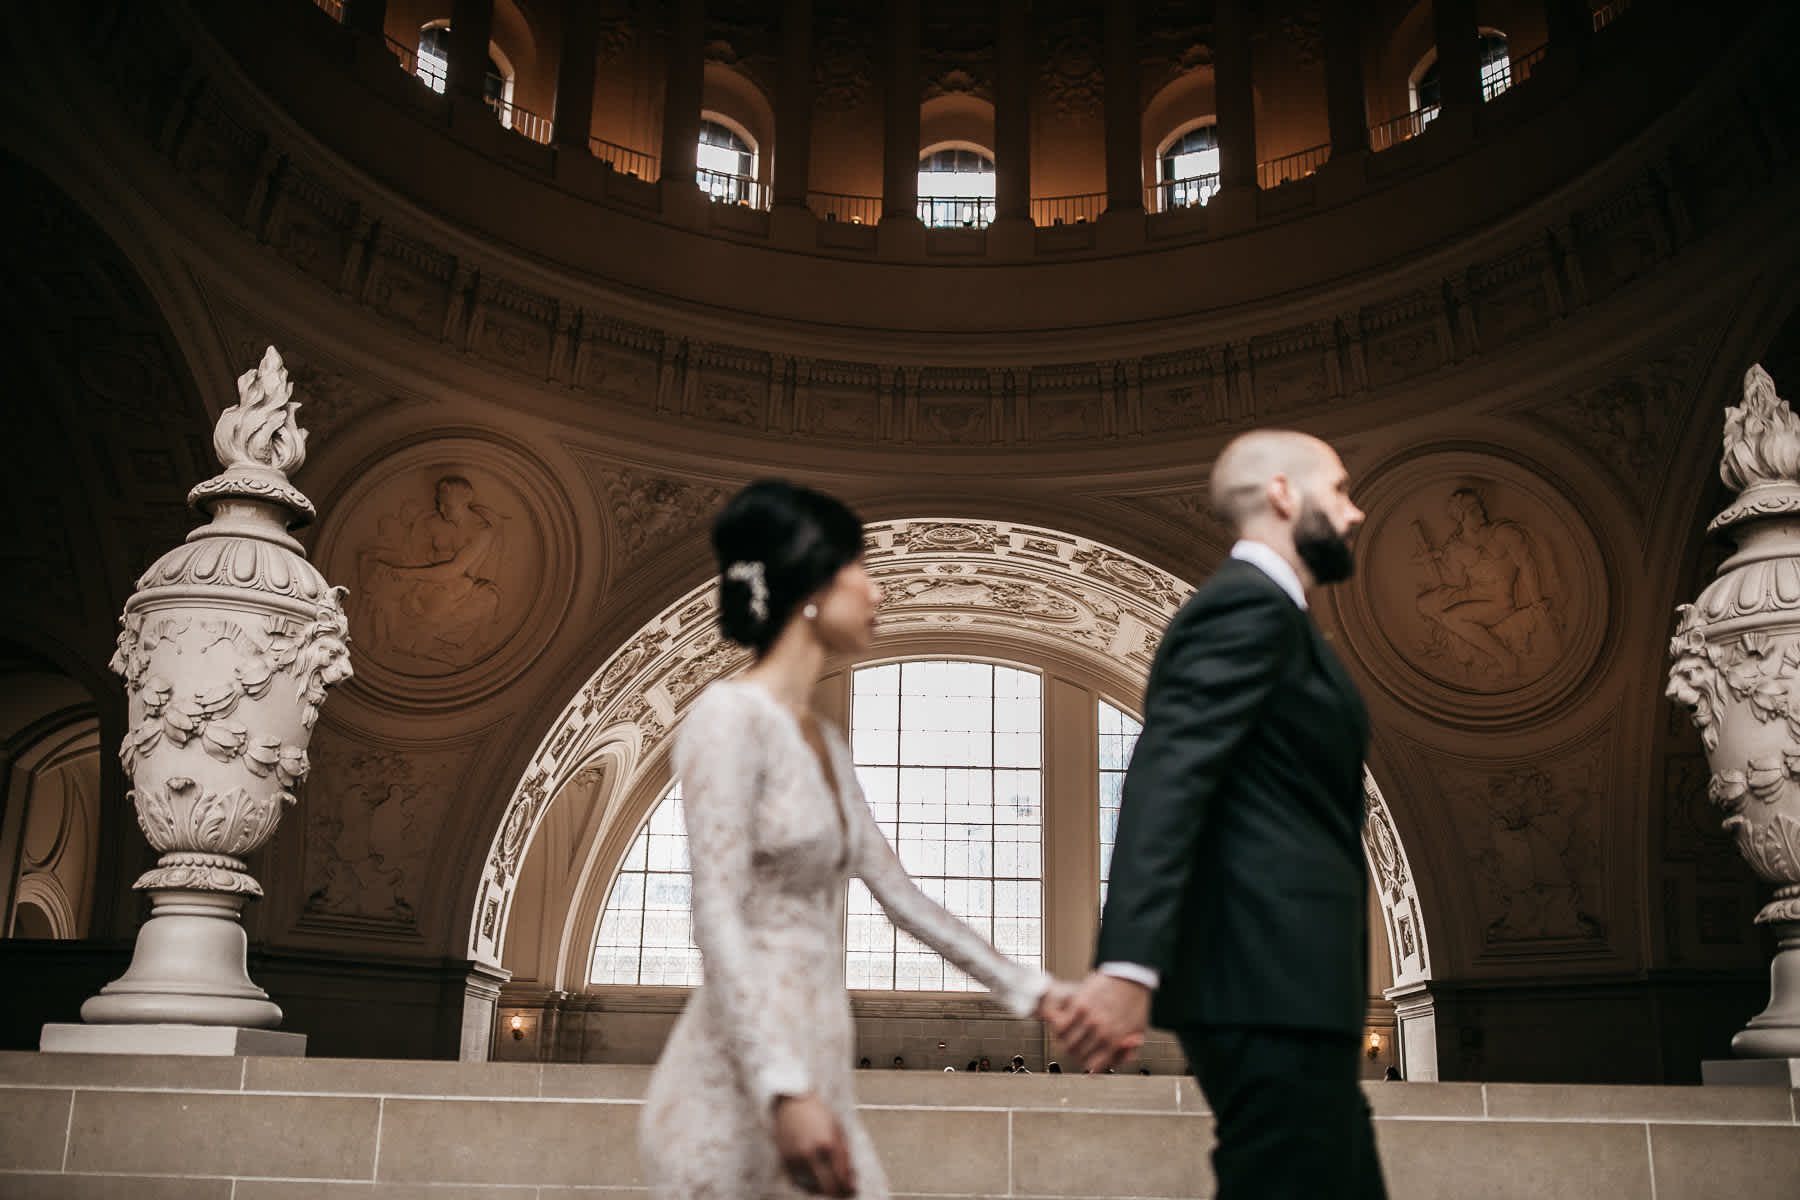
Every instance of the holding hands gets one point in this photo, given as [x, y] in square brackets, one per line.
[1102, 1021]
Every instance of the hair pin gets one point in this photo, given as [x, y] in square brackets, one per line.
[751, 573]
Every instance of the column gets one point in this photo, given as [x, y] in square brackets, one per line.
[683, 77]
[471, 31]
[900, 122]
[1459, 52]
[1234, 88]
[1124, 133]
[574, 112]
[1346, 97]
[366, 16]
[794, 102]
[1012, 113]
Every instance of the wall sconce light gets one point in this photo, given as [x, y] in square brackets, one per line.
[1374, 1043]
[518, 1028]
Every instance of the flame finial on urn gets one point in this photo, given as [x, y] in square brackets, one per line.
[260, 430]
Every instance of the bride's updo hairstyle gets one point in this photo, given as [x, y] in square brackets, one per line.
[777, 543]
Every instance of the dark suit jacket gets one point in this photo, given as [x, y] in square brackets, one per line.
[1238, 869]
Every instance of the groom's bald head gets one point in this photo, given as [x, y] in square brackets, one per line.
[1246, 467]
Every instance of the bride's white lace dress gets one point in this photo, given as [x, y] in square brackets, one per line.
[772, 848]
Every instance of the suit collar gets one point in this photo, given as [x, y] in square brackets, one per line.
[1263, 558]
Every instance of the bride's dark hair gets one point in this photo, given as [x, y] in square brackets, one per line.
[777, 543]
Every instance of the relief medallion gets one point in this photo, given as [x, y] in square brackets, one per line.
[460, 560]
[1479, 592]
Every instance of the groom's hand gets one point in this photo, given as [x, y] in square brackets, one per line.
[1103, 1024]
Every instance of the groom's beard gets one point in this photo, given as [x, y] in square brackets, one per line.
[1322, 548]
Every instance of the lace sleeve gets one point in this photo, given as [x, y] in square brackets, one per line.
[1018, 987]
[719, 759]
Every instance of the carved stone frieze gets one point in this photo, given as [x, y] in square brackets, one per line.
[843, 63]
[1530, 830]
[1633, 422]
[369, 833]
[1396, 889]
[649, 512]
[1071, 68]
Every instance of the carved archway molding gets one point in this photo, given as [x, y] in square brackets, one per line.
[1062, 595]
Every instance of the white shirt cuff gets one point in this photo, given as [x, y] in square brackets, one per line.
[1149, 977]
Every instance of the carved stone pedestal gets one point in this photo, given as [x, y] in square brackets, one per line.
[222, 1041]
[187, 967]
[1751, 1072]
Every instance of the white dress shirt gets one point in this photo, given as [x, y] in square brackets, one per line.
[1260, 556]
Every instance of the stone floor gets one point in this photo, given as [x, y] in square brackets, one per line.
[146, 1128]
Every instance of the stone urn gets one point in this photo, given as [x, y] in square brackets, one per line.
[1737, 666]
[227, 649]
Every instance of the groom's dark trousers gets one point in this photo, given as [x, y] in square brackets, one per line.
[1238, 875]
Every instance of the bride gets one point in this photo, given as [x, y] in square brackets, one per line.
[752, 1097]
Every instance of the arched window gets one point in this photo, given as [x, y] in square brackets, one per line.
[434, 65]
[647, 928]
[1496, 75]
[950, 756]
[1118, 737]
[956, 188]
[725, 164]
[1188, 167]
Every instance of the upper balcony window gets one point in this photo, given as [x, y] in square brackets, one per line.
[1188, 167]
[725, 164]
[1496, 75]
[956, 188]
[434, 65]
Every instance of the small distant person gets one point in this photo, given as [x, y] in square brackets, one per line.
[1055, 1068]
[971, 1068]
[899, 1063]
[1391, 1075]
[1143, 1070]
[1017, 1066]
[863, 1064]
[984, 1064]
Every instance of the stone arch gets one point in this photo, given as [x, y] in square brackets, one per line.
[1057, 592]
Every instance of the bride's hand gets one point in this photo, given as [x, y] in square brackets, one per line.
[1051, 1005]
[812, 1147]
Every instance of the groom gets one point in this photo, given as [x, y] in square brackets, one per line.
[1236, 912]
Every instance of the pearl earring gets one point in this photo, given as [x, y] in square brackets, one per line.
[810, 612]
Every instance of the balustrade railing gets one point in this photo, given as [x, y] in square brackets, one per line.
[840, 206]
[1289, 167]
[1067, 210]
[522, 120]
[1516, 72]
[956, 212]
[1191, 192]
[624, 159]
[1411, 125]
[1607, 15]
[725, 188]
[406, 56]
